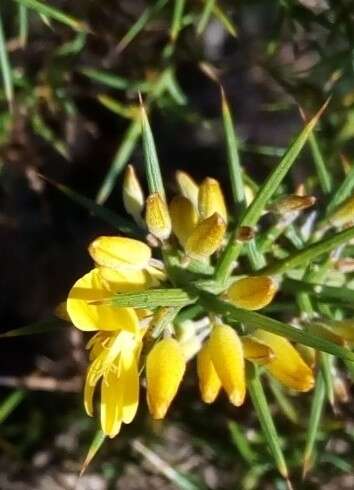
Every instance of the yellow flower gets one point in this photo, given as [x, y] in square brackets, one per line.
[206, 238]
[226, 353]
[184, 218]
[252, 293]
[211, 199]
[157, 217]
[165, 367]
[187, 187]
[114, 360]
[133, 196]
[287, 366]
[87, 316]
[209, 381]
[120, 253]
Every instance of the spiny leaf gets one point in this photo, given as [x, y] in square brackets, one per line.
[153, 171]
[342, 192]
[118, 222]
[44, 9]
[309, 253]
[241, 442]
[257, 320]
[152, 298]
[8, 405]
[96, 444]
[314, 422]
[204, 19]
[177, 19]
[265, 418]
[5, 67]
[115, 81]
[34, 328]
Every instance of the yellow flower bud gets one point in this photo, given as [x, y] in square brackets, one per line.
[209, 382]
[187, 187]
[157, 217]
[291, 204]
[133, 196]
[256, 351]
[344, 215]
[165, 367]
[288, 367]
[184, 218]
[226, 353]
[252, 293]
[206, 238]
[211, 199]
[120, 253]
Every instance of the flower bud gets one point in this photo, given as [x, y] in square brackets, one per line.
[209, 382]
[157, 217]
[165, 367]
[61, 311]
[292, 203]
[211, 199]
[184, 218]
[226, 354]
[133, 196]
[252, 293]
[288, 367]
[206, 238]
[187, 187]
[120, 253]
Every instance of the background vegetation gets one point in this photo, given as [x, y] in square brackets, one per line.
[68, 111]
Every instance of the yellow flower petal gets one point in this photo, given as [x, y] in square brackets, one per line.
[129, 382]
[211, 199]
[184, 218]
[226, 353]
[111, 405]
[89, 317]
[89, 390]
[125, 280]
[252, 293]
[288, 367]
[256, 351]
[187, 187]
[206, 238]
[165, 367]
[209, 382]
[133, 196]
[157, 217]
[120, 253]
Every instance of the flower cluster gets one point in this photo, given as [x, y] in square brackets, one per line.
[127, 345]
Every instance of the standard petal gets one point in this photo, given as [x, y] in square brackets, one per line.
[165, 367]
[252, 293]
[226, 353]
[209, 382]
[120, 253]
[89, 317]
[288, 367]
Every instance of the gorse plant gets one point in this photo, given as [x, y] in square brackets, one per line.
[191, 289]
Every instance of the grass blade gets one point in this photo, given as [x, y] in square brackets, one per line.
[114, 81]
[265, 418]
[225, 21]
[314, 422]
[324, 176]
[96, 444]
[342, 192]
[233, 158]
[23, 25]
[204, 19]
[153, 172]
[115, 220]
[283, 401]
[34, 328]
[266, 191]
[240, 441]
[311, 252]
[54, 13]
[177, 19]
[5, 67]
[139, 25]
[256, 320]
[10, 403]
